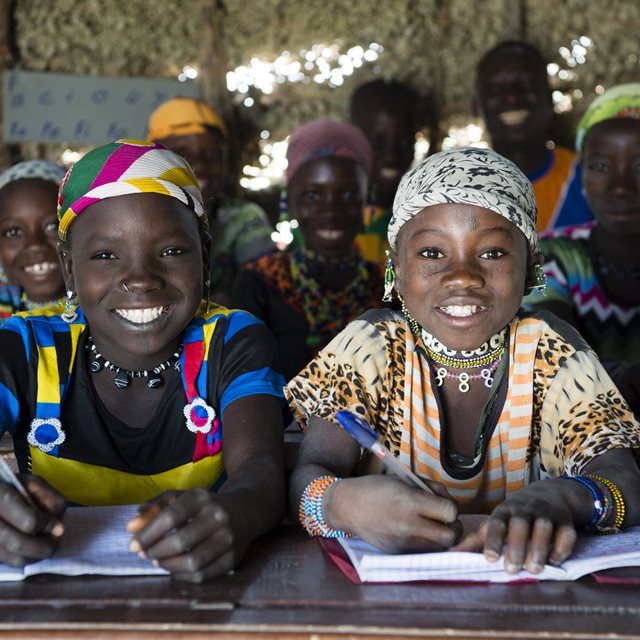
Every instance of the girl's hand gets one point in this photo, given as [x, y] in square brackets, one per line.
[29, 532]
[189, 533]
[533, 527]
[393, 516]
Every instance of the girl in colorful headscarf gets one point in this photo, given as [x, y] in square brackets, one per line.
[500, 413]
[29, 236]
[133, 395]
[594, 269]
[308, 296]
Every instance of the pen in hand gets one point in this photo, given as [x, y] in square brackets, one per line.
[366, 437]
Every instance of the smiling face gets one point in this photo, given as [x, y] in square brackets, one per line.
[327, 197]
[611, 174]
[391, 132]
[514, 96]
[136, 263]
[28, 238]
[461, 271]
[207, 154]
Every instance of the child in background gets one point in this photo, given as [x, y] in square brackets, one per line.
[134, 395]
[387, 114]
[506, 414]
[308, 296]
[594, 268]
[241, 230]
[29, 237]
[515, 101]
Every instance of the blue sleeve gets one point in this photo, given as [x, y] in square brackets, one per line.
[14, 349]
[575, 208]
[247, 361]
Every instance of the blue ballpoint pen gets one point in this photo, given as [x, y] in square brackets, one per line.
[366, 437]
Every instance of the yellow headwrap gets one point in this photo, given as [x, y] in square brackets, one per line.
[182, 116]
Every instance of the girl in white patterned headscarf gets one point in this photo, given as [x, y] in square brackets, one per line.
[493, 408]
[29, 236]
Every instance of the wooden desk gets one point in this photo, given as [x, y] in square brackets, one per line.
[288, 589]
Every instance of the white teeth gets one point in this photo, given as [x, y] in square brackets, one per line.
[329, 234]
[461, 311]
[514, 118]
[140, 316]
[389, 173]
[41, 268]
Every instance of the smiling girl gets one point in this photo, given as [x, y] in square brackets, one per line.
[306, 297]
[594, 268]
[505, 414]
[29, 236]
[134, 395]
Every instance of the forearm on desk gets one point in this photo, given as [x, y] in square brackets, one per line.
[620, 467]
[326, 449]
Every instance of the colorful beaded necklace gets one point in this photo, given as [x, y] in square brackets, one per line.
[328, 312]
[29, 305]
[487, 356]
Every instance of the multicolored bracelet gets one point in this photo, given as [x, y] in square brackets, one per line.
[618, 501]
[310, 511]
[599, 507]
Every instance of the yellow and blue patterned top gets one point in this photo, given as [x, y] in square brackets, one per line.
[63, 432]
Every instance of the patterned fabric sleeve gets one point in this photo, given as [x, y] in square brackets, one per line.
[246, 231]
[245, 364]
[349, 373]
[583, 416]
[563, 265]
[14, 345]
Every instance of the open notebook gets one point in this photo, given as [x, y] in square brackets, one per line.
[95, 541]
[591, 553]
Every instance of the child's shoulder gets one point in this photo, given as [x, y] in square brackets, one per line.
[553, 331]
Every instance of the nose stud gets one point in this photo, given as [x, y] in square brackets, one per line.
[125, 287]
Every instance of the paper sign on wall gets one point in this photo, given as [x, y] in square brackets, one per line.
[55, 107]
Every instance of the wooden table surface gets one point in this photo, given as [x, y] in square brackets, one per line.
[287, 588]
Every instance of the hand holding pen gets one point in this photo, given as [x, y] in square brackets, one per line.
[396, 513]
[30, 518]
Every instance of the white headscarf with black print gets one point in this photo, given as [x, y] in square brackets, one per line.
[468, 175]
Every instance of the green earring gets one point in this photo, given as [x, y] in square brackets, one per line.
[541, 280]
[389, 280]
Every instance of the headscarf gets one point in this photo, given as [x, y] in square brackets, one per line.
[327, 139]
[121, 168]
[30, 169]
[183, 116]
[468, 175]
[621, 101]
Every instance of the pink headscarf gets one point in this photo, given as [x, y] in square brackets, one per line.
[327, 139]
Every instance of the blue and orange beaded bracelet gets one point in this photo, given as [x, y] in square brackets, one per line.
[310, 511]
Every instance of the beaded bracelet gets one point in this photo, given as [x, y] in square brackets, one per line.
[618, 501]
[598, 499]
[310, 511]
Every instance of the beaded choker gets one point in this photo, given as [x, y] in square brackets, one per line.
[30, 305]
[487, 356]
[123, 376]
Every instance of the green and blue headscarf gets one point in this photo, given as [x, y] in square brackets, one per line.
[621, 101]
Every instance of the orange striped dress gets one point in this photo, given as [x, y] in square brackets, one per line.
[560, 409]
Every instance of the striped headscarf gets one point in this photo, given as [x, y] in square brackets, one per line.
[468, 175]
[327, 139]
[621, 101]
[30, 169]
[122, 168]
